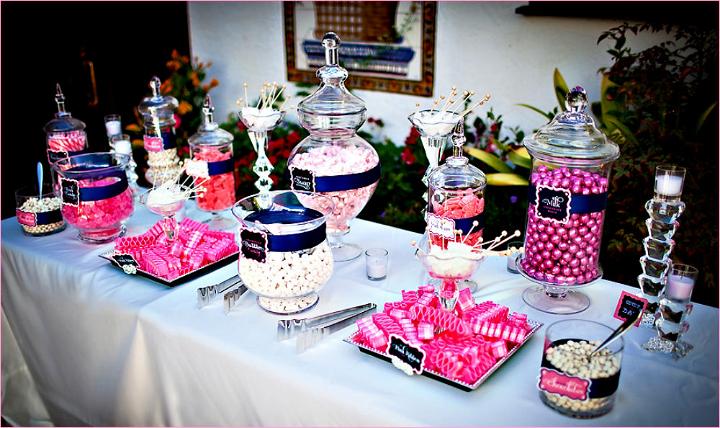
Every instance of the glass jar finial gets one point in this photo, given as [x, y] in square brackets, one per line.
[155, 86]
[60, 100]
[576, 100]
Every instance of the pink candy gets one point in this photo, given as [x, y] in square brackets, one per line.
[451, 346]
[219, 189]
[194, 248]
[102, 214]
[567, 253]
[460, 205]
[71, 141]
[331, 160]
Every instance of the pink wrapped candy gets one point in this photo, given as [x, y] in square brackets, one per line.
[461, 204]
[565, 251]
[219, 191]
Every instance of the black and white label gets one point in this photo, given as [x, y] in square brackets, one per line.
[70, 191]
[441, 226]
[405, 356]
[253, 245]
[54, 156]
[553, 204]
[302, 179]
[629, 307]
[125, 260]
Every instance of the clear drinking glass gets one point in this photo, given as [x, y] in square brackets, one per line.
[113, 125]
[38, 213]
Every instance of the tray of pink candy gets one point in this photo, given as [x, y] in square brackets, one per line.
[461, 348]
[195, 251]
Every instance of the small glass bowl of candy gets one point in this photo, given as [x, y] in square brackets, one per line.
[38, 213]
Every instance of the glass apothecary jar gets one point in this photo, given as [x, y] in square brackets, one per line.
[334, 160]
[456, 198]
[93, 189]
[159, 139]
[285, 258]
[213, 147]
[65, 136]
[571, 165]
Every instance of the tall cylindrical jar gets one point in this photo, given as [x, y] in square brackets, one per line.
[334, 160]
[212, 147]
[571, 164]
[159, 139]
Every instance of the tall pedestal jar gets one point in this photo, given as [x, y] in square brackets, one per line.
[212, 151]
[334, 160]
[159, 139]
[571, 163]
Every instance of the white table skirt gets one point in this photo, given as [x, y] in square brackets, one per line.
[83, 343]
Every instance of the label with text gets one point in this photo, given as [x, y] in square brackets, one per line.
[54, 156]
[253, 245]
[554, 382]
[70, 191]
[406, 357]
[153, 144]
[125, 260]
[630, 306]
[552, 203]
[26, 218]
[302, 179]
[441, 226]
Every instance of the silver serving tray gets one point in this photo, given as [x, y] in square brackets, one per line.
[439, 377]
[182, 278]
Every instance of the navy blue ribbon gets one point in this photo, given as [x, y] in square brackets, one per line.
[579, 204]
[169, 140]
[220, 167]
[48, 217]
[465, 224]
[336, 183]
[89, 194]
[295, 241]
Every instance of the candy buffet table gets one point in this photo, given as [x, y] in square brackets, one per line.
[83, 343]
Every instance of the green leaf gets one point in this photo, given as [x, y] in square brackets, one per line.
[520, 159]
[561, 88]
[615, 124]
[537, 110]
[500, 179]
[489, 159]
[704, 116]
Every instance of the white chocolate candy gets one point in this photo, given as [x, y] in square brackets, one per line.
[35, 205]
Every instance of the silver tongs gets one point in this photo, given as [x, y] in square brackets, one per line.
[287, 329]
[205, 295]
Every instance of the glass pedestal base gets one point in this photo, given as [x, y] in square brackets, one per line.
[678, 349]
[572, 302]
[101, 236]
[288, 305]
[345, 252]
[220, 222]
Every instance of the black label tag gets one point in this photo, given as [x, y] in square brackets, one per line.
[629, 307]
[302, 179]
[125, 260]
[406, 353]
[553, 204]
[253, 245]
[54, 156]
[70, 190]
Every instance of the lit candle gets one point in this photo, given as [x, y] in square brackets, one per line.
[679, 287]
[112, 127]
[669, 185]
[123, 147]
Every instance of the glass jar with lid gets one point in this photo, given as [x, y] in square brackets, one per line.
[159, 139]
[333, 160]
[212, 146]
[65, 135]
[571, 164]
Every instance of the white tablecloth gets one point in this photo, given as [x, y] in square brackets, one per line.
[83, 343]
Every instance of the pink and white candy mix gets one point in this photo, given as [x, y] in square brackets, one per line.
[194, 247]
[336, 160]
[565, 253]
[461, 204]
[462, 345]
[71, 141]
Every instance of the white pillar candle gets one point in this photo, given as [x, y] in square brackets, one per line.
[123, 147]
[376, 268]
[113, 127]
[679, 287]
[668, 185]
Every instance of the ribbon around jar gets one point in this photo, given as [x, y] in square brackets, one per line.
[290, 242]
[98, 193]
[579, 204]
[336, 183]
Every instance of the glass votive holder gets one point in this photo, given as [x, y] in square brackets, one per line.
[113, 125]
[376, 263]
[573, 383]
[514, 251]
[680, 283]
[121, 143]
[669, 181]
[38, 213]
